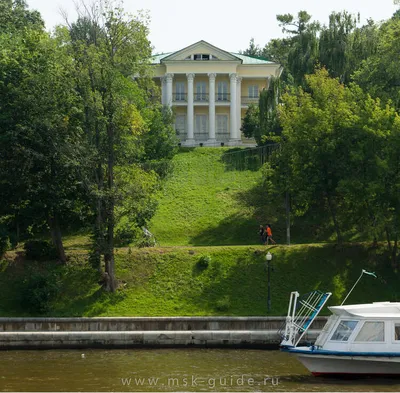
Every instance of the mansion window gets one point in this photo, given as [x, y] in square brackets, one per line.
[201, 56]
[253, 91]
[180, 91]
[222, 124]
[201, 91]
[222, 91]
[201, 129]
[180, 124]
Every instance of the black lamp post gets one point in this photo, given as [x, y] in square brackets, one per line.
[268, 258]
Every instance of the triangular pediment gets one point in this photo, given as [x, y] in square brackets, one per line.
[201, 48]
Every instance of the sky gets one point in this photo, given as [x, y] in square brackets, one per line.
[228, 25]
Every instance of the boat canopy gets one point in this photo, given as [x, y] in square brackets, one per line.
[372, 310]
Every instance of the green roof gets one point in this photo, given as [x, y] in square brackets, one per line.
[156, 59]
[251, 59]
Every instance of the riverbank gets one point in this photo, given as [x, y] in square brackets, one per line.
[190, 281]
[162, 332]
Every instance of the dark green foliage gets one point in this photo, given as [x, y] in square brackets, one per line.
[223, 304]
[253, 49]
[5, 245]
[262, 122]
[379, 74]
[268, 105]
[203, 262]
[39, 250]
[39, 290]
[251, 122]
[167, 282]
[160, 141]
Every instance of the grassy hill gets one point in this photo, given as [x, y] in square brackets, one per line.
[174, 281]
[206, 203]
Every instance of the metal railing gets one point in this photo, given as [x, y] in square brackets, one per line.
[249, 100]
[201, 97]
[222, 97]
[179, 97]
[219, 97]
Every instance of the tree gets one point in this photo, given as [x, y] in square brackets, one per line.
[335, 44]
[251, 122]
[302, 54]
[123, 123]
[268, 111]
[343, 45]
[338, 146]
[40, 137]
[379, 74]
[252, 50]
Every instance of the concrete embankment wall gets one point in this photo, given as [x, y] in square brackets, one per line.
[250, 332]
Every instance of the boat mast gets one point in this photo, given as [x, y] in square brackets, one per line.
[359, 278]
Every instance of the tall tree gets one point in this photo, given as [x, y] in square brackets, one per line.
[302, 54]
[123, 123]
[335, 44]
[253, 49]
[379, 74]
[40, 134]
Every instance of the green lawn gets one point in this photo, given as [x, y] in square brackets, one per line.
[205, 203]
[171, 281]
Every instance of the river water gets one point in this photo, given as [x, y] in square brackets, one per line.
[168, 370]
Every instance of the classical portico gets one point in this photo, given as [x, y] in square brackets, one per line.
[210, 90]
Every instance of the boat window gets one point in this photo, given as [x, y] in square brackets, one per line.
[344, 330]
[371, 331]
[397, 331]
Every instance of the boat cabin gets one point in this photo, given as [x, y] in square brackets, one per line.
[371, 327]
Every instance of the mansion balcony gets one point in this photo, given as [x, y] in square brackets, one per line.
[246, 100]
[204, 98]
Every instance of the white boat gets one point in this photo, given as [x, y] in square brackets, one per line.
[357, 340]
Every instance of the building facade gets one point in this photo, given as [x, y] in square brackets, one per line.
[209, 90]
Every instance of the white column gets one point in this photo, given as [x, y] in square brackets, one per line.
[190, 110]
[211, 108]
[233, 117]
[163, 90]
[239, 108]
[169, 78]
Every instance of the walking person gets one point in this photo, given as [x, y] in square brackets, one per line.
[268, 231]
[261, 232]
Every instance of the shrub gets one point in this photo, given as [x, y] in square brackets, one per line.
[40, 250]
[38, 290]
[5, 244]
[203, 262]
[223, 304]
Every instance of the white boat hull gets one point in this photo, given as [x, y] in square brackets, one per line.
[319, 364]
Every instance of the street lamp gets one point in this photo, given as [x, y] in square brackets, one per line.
[268, 258]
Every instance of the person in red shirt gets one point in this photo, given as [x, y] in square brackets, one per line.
[268, 231]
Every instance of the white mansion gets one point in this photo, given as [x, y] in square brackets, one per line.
[210, 90]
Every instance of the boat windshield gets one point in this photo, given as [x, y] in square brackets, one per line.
[344, 330]
[371, 331]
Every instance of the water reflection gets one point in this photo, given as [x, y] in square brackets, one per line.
[168, 370]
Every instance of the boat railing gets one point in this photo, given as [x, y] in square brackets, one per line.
[301, 313]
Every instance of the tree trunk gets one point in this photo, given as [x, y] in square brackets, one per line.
[99, 224]
[98, 245]
[55, 232]
[394, 252]
[334, 218]
[389, 244]
[109, 254]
